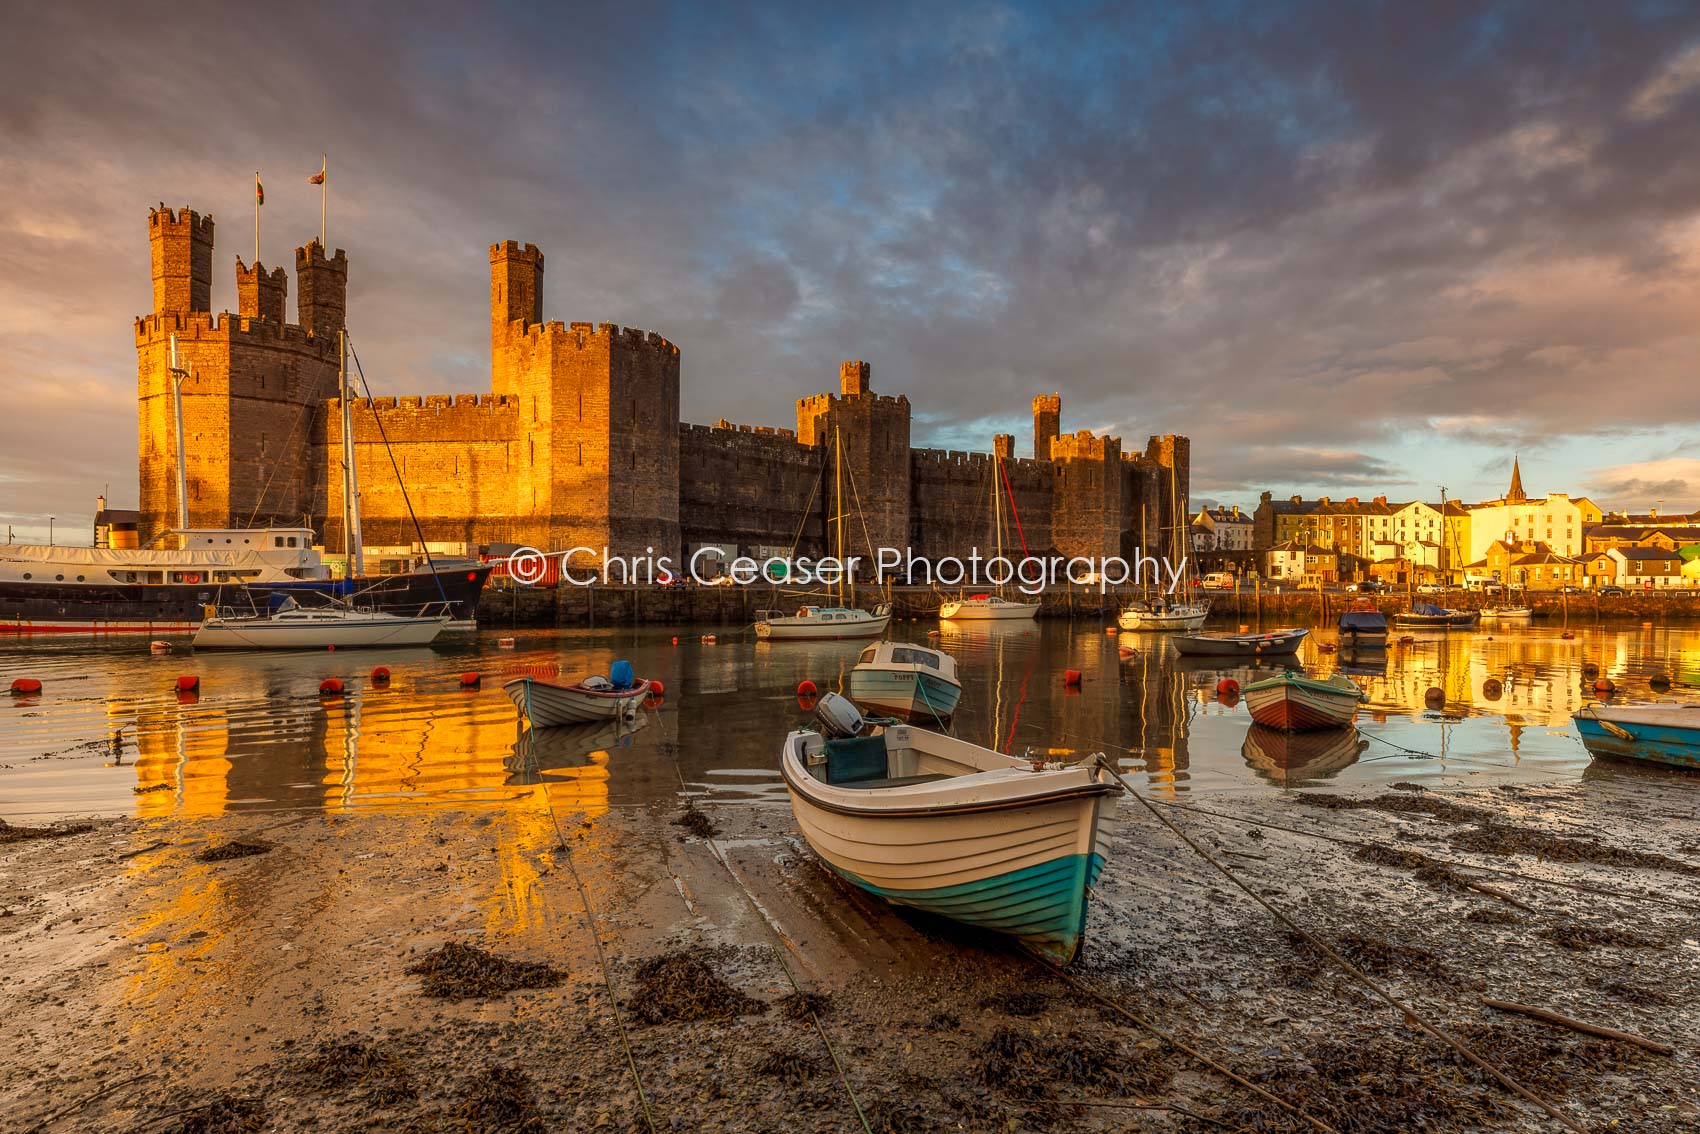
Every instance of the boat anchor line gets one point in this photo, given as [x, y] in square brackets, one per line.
[601, 954]
[782, 938]
[1354, 971]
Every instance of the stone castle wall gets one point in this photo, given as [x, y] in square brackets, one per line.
[580, 442]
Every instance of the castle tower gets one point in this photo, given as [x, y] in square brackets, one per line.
[853, 378]
[1003, 446]
[1047, 419]
[875, 434]
[259, 293]
[182, 245]
[516, 296]
[323, 284]
[253, 400]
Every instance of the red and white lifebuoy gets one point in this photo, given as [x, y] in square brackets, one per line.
[191, 577]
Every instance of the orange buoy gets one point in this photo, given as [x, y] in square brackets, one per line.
[188, 682]
[504, 643]
[330, 685]
[1228, 687]
[1658, 683]
[1245, 628]
[381, 675]
[675, 639]
[1228, 700]
[1646, 625]
[1071, 677]
[188, 696]
[160, 647]
[1491, 689]
[806, 688]
[656, 687]
[24, 686]
[1434, 695]
[1589, 669]
[805, 703]
[1407, 640]
[1109, 629]
[1605, 685]
[469, 680]
[330, 647]
[1567, 635]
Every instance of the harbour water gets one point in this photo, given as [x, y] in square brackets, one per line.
[111, 735]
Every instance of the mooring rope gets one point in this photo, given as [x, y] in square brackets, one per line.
[1324, 948]
[596, 937]
[775, 945]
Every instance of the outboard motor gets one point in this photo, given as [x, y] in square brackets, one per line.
[839, 716]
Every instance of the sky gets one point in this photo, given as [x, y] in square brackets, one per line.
[1349, 249]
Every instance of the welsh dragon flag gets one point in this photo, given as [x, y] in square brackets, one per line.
[259, 191]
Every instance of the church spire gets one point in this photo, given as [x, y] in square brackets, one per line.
[1515, 494]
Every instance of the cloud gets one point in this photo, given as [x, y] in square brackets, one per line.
[1670, 481]
[1313, 237]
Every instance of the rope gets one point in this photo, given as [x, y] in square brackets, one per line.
[814, 1017]
[1147, 1025]
[601, 955]
[265, 489]
[401, 484]
[1362, 977]
[1013, 510]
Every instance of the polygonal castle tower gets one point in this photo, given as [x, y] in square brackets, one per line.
[255, 388]
[873, 434]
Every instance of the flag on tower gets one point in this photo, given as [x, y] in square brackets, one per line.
[318, 178]
[259, 191]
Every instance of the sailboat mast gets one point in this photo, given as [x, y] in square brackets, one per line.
[350, 477]
[838, 502]
[177, 376]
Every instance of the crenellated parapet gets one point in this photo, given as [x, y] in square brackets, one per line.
[1085, 445]
[181, 241]
[260, 294]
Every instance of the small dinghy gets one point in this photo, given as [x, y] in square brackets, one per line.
[1294, 702]
[914, 683]
[1664, 733]
[1427, 614]
[1362, 627]
[548, 705]
[1239, 645]
[995, 842]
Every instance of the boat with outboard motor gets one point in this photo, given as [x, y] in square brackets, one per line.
[994, 842]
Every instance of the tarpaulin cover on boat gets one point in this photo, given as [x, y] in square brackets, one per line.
[1427, 608]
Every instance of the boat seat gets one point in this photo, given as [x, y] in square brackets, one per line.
[852, 760]
[899, 781]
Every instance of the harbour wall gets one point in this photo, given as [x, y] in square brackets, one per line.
[740, 606]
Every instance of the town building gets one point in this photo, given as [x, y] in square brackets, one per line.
[1556, 520]
[1304, 564]
[1646, 568]
[1666, 535]
[578, 441]
[1529, 565]
[1223, 529]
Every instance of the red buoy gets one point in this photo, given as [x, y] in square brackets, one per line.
[1605, 685]
[330, 685]
[330, 648]
[806, 688]
[1407, 639]
[469, 680]
[25, 685]
[188, 682]
[1567, 635]
[1228, 687]
[1071, 677]
[381, 675]
[1434, 695]
[675, 639]
[1492, 689]
[656, 688]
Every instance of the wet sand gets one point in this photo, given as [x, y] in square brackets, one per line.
[143, 988]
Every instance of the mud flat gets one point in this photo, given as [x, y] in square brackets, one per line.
[434, 969]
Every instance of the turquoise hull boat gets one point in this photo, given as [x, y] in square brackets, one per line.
[944, 826]
[1651, 734]
[1042, 907]
[921, 698]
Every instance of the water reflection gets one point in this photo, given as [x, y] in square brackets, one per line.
[259, 735]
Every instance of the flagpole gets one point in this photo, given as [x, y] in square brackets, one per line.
[324, 195]
[256, 218]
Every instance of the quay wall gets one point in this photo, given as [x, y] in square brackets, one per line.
[739, 606]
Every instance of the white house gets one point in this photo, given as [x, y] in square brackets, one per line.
[1222, 529]
[1647, 567]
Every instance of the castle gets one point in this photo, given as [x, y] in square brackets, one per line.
[579, 442]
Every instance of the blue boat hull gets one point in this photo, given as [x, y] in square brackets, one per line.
[1042, 907]
[1655, 744]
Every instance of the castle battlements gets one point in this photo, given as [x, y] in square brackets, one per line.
[161, 219]
[535, 336]
[1085, 446]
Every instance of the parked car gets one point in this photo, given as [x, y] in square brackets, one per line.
[1431, 589]
[1367, 587]
[1611, 589]
[1570, 589]
[1218, 581]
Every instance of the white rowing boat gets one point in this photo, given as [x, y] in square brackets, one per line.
[817, 622]
[548, 705]
[928, 821]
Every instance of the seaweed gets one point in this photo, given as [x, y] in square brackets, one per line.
[799, 1006]
[1505, 839]
[340, 1064]
[1024, 1002]
[680, 987]
[502, 1101]
[459, 972]
[222, 1114]
[11, 834]
[788, 1065]
[696, 821]
[236, 848]
[1580, 936]
[1425, 804]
